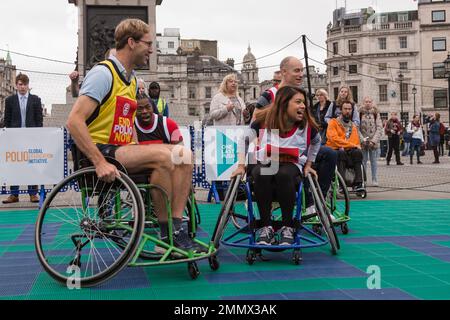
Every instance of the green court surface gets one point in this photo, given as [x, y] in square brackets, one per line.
[408, 242]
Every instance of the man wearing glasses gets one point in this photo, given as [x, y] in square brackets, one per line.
[276, 78]
[102, 125]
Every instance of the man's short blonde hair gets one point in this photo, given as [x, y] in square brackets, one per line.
[130, 28]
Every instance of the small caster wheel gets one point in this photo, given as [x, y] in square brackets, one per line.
[193, 270]
[214, 263]
[297, 257]
[363, 195]
[344, 228]
[251, 257]
[317, 229]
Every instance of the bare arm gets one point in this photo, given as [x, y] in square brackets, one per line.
[76, 124]
[74, 86]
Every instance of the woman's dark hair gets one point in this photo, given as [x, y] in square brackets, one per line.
[275, 116]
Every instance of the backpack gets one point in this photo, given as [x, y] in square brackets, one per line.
[441, 129]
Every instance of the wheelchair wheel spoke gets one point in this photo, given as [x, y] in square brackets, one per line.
[96, 227]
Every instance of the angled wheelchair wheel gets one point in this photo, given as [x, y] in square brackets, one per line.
[239, 211]
[324, 215]
[85, 237]
[338, 200]
[225, 212]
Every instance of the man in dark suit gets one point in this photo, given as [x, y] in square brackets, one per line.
[23, 110]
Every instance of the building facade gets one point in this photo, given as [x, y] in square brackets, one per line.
[189, 82]
[250, 87]
[169, 41]
[376, 55]
[7, 83]
[435, 44]
[206, 47]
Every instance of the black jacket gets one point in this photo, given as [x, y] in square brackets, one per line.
[13, 117]
[320, 117]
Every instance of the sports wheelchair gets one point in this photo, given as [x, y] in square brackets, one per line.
[349, 179]
[338, 202]
[242, 216]
[92, 232]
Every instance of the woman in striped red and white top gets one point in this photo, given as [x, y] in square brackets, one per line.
[288, 143]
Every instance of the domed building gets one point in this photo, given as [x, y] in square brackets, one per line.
[249, 86]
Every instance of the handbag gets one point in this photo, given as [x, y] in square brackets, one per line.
[407, 137]
[422, 150]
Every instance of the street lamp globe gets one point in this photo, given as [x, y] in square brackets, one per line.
[414, 90]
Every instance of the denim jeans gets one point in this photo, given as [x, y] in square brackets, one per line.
[32, 190]
[415, 146]
[406, 149]
[372, 155]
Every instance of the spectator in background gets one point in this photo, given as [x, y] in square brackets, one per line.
[393, 130]
[160, 105]
[277, 77]
[75, 83]
[152, 128]
[344, 137]
[371, 129]
[141, 86]
[319, 110]
[23, 110]
[435, 136]
[417, 139]
[442, 131]
[227, 107]
[335, 110]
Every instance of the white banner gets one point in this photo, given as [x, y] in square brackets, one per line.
[186, 134]
[221, 151]
[31, 156]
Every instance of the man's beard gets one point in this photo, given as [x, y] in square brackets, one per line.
[346, 119]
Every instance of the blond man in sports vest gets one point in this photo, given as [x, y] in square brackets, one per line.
[101, 123]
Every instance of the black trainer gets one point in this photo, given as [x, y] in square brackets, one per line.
[265, 236]
[181, 240]
[286, 236]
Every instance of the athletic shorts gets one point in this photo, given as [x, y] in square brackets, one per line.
[108, 150]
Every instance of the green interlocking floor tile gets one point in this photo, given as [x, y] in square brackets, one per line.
[415, 281]
[10, 234]
[415, 261]
[347, 283]
[20, 298]
[443, 243]
[136, 294]
[413, 272]
[430, 293]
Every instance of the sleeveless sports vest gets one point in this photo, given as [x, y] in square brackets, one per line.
[157, 134]
[113, 120]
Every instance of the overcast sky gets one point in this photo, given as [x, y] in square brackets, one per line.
[49, 29]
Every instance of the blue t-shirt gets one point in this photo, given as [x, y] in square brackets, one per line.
[98, 81]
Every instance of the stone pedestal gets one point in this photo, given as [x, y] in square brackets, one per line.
[97, 22]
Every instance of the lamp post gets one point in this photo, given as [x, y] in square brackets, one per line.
[414, 92]
[447, 75]
[401, 77]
